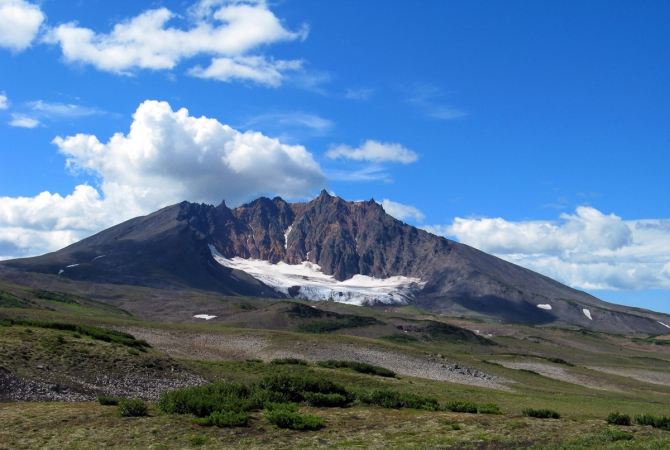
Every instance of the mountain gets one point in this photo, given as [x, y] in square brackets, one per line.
[326, 249]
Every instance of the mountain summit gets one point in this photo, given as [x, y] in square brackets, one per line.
[326, 249]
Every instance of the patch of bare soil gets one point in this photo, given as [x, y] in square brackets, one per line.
[217, 347]
[647, 376]
[558, 373]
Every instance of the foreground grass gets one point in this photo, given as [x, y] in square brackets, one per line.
[89, 425]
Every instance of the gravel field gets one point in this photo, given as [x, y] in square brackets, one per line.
[648, 376]
[558, 373]
[216, 347]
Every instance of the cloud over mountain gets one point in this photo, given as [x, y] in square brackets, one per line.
[168, 156]
[588, 249]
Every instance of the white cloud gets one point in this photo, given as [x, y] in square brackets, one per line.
[427, 98]
[359, 94]
[402, 212]
[168, 156]
[255, 68]
[226, 29]
[19, 24]
[374, 151]
[58, 110]
[23, 121]
[588, 250]
[4, 101]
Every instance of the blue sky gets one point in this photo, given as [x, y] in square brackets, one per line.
[536, 131]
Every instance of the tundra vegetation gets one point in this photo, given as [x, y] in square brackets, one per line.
[283, 387]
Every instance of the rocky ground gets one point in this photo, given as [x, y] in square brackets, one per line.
[218, 347]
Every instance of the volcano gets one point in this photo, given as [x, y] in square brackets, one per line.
[327, 249]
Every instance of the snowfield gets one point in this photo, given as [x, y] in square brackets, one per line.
[317, 286]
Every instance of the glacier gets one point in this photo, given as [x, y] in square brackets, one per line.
[315, 285]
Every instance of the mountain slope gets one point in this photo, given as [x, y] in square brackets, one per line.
[327, 248]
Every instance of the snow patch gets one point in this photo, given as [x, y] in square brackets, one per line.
[288, 231]
[71, 265]
[317, 286]
[587, 313]
[60, 271]
[204, 316]
[234, 278]
[544, 306]
[666, 326]
[98, 257]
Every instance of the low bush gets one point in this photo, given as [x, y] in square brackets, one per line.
[461, 407]
[108, 401]
[101, 334]
[224, 419]
[293, 361]
[259, 361]
[662, 422]
[358, 367]
[133, 408]
[294, 387]
[560, 361]
[387, 398]
[326, 400]
[489, 408]
[293, 421]
[541, 413]
[270, 406]
[614, 436]
[618, 419]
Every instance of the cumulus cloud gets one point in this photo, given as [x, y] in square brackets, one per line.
[374, 151]
[166, 157]
[588, 249]
[23, 121]
[20, 22]
[402, 212]
[4, 101]
[228, 30]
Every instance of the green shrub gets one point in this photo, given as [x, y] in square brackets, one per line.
[326, 400]
[541, 413]
[489, 408]
[202, 401]
[387, 398]
[293, 387]
[101, 334]
[224, 419]
[461, 407]
[614, 435]
[253, 361]
[560, 361]
[108, 401]
[662, 423]
[618, 419]
[133, 408]
[358, 367]
[293, 361]
[293, 421]
[270, 406]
